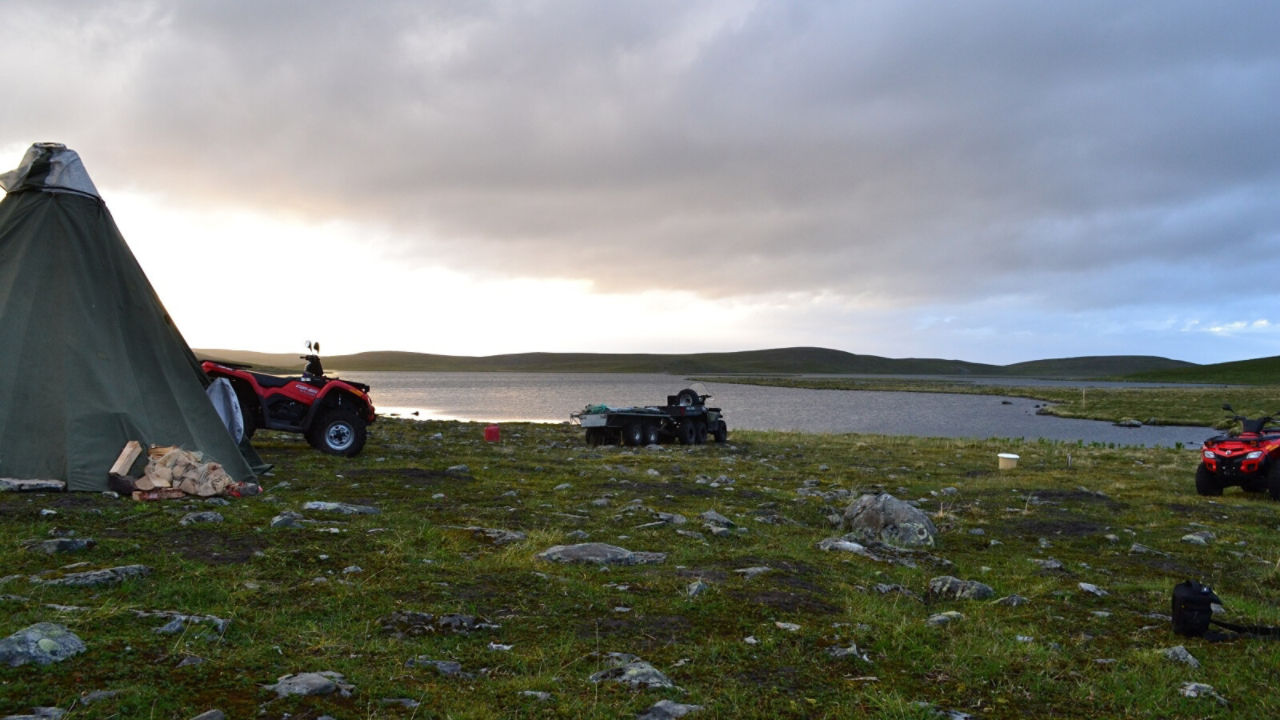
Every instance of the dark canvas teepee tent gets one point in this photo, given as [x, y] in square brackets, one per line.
[89, 359]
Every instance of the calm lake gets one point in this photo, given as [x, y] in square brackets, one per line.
[550, 397]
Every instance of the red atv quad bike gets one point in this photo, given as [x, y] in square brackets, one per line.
[333, 414]
[1249, 458]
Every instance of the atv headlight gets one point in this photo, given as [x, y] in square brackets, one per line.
[1208, 455]
[1253, 455]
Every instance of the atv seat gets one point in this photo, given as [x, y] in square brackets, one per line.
[271, 381]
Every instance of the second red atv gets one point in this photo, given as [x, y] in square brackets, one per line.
[333, 414]
[1249, 458]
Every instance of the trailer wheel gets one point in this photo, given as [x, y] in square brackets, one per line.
[699, 433]
[633, 434]
[721, 432]
[593, 437]
[650, 434]
[685, 433]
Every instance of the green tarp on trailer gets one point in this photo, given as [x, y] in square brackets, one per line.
[89, 359]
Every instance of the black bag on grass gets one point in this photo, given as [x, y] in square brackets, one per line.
[1193, 611]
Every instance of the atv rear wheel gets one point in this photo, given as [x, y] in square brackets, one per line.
[338, 431]
[1273, 479]
[1207, 484]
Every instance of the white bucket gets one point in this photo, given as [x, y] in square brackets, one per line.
[1008, 461]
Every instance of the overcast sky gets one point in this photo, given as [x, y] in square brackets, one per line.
[987, 181]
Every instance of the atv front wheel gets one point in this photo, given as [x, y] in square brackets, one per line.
[721, 432]
[1273, 480]
[1207, 484]
[338, 431]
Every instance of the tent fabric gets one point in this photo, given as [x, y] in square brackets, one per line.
[89, 359]
[50, 166]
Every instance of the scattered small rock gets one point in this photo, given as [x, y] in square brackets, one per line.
[1180, 654]
[341, 508]
[447, 668]
[1198, 690]
[944, 618]
[326, 682]
[946, 586]
[288, 519]
[208, 516]
[631, 670]
[96, 578]
[1204, 537]
[600, 554]
[60, 545]
[667, 710]
[1093, 589]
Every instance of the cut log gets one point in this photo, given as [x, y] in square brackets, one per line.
[124, 463]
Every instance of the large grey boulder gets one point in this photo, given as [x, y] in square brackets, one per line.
[599, 554]
[884, 518]
[43, 644]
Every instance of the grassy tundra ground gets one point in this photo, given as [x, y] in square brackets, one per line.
[325, 596]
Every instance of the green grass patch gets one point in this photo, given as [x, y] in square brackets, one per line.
[319, 598]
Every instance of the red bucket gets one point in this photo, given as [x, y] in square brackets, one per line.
[491, 433]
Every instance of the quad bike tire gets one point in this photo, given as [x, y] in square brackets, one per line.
[338, 431]
[685, 433]
[1207, 484]
[699, 433]
[721, 432]
[1273, 480]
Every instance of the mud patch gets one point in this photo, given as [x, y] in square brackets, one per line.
[210, 547]
[646, 631]
[785, 601]
[1062, 527]
[411, 475]
[1169, 566]
[1076, 496]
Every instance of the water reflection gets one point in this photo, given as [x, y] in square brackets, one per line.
[550, 397]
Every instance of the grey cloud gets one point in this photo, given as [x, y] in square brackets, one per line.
[920, 152]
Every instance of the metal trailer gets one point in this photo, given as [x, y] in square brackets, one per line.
[685, 418]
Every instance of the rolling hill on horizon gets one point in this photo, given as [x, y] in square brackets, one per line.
[798, 360]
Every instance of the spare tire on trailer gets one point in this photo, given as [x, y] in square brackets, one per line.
[688, 397]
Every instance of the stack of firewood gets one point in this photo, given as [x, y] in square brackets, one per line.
[171, 472]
